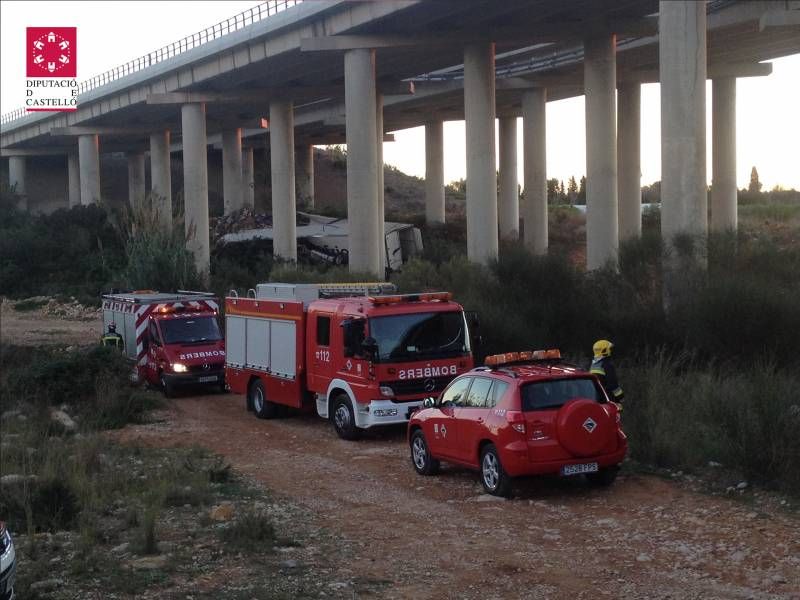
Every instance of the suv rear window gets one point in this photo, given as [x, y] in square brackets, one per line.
[546, 395]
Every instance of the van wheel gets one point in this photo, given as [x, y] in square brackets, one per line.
[604, 477]
[344, 420]
[421, 457]
[263, 408]
[167, 387]
[494, 478]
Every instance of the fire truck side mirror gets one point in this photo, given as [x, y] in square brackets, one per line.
[473, 319]
[429, 402]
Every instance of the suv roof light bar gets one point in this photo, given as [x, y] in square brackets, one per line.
[496, 360]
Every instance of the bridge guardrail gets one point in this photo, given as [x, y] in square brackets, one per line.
[234, 23]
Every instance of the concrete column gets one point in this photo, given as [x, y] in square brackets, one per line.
[434, 173]
[629, 160]
[16, 180]
[534, 144]
[161, 177]
[600, 81]
[362, 161]
[723, 152]
[195, 184]
[304, 164]
[89, 163]
[281, 144]
[380, 187]
[248, 179]
[508, 199]
[682, 66]
[479, 111]
[232, 170]
[73, 179]
[136, 191]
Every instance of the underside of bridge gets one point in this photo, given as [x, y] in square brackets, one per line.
[348, 72]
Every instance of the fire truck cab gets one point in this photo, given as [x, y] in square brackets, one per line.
[358, 354]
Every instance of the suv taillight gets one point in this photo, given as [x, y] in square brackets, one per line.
[517, 420]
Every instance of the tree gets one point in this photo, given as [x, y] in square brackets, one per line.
[582, 192]
[552, 191]
[572, 190]
[755, 184]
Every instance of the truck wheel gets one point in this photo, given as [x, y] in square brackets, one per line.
[344, 420]
[263, 408]
[493, 477]
[421, 457]
[167, 387]
[604, 477]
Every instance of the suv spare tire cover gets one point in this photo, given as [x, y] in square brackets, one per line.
[584, 427]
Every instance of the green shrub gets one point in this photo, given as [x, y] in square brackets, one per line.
[251, 532]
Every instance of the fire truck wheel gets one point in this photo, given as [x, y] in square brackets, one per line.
[494, 478]
[344, 420]
[421, 457]
[263, 408]
[167, 387]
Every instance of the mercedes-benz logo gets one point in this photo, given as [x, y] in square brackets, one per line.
[206, 366]
[429, 385]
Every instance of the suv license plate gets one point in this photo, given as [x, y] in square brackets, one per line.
[206, 379]
[578, 469]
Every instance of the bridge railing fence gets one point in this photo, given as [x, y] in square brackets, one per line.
[216, 31]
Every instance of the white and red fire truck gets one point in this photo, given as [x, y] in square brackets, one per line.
[357, 353]
[174, 339]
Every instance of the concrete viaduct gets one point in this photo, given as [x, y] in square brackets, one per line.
[291, 75]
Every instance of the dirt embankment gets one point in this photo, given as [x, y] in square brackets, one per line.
[440, 537]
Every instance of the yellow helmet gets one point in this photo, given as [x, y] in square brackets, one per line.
[602, 348]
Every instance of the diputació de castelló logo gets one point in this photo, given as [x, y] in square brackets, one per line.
[51, 68]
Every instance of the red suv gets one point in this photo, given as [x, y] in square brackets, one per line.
[525, 413]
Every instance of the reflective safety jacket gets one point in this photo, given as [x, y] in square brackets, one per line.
[113, 340]
[607, 374]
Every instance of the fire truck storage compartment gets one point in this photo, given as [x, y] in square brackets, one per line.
[263, 344]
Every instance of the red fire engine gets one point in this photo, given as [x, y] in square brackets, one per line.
[357, 353]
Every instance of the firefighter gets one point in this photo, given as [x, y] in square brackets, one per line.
[112, 338]
[605, 371]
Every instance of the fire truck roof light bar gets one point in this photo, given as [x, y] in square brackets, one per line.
[331, 290]
[496, 360]
[428, 297]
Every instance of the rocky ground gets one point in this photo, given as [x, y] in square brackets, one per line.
[352, 519]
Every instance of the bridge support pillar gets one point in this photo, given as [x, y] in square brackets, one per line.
[281, 140]
[629, 157]
[304, 163]
[136, 191]
[682, 66]
[479, 114]
[195, 184]
[232, 170]
[16, 180]
[380, 186]
[248, 179]
[600, 80]
[73, 180]
[723, 152]
[508, 198]
[534, 140]
[362, 161]
[161, 177]
[434, 173]
[89, 163]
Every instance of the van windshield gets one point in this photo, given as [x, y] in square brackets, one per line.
[554, 393]
[420, 336]
[199, 330]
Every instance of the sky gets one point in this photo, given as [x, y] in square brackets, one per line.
[767, 121]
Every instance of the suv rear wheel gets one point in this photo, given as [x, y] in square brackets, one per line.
[604, 477]
[494, 478]
[344, 420]
[263, 408]
[421, 457]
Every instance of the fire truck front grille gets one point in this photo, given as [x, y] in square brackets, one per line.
[427, 386]
[206, 367]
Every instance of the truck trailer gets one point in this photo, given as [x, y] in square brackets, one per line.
[173, 339]
[358, 354]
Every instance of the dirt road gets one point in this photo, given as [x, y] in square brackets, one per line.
[441, 537]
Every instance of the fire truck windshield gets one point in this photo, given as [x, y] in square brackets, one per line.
[420, 336]
[197, 330]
